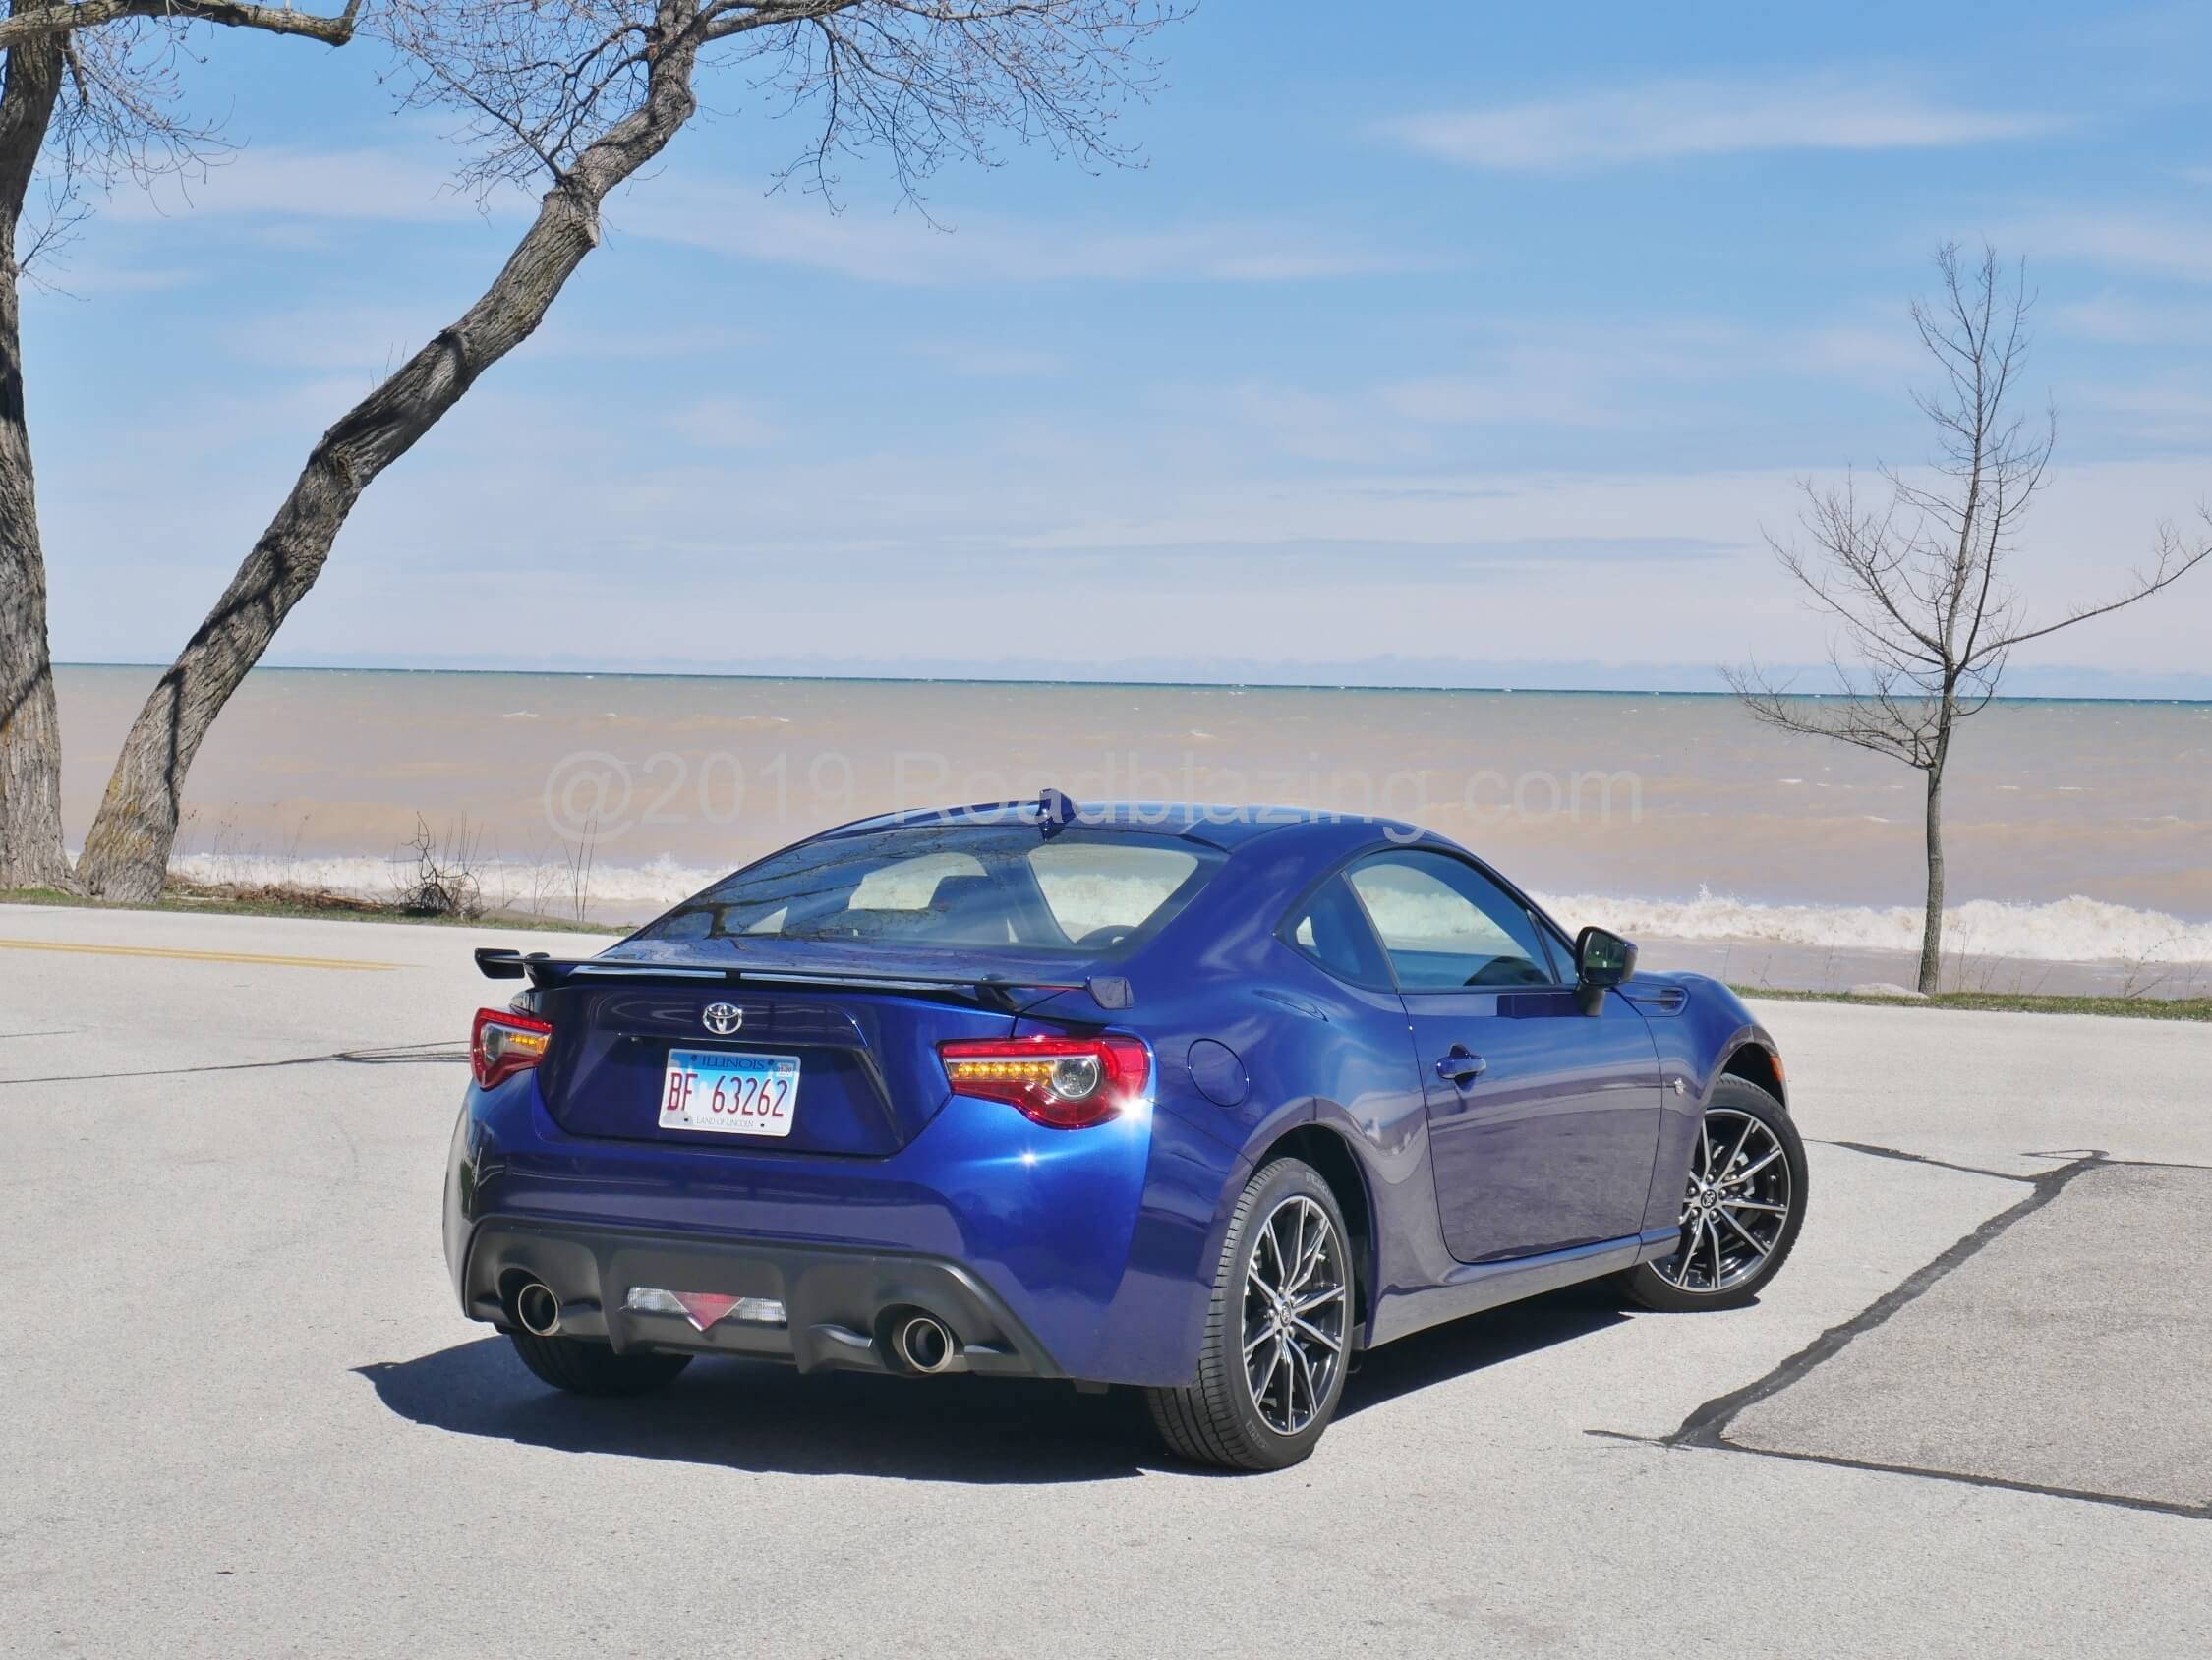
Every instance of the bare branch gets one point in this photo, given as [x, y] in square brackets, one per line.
[45, 20]
[590, 91]
[1916, 589]
[1865, 723]
[2176, 560]
[1925, 621]
[914, 83]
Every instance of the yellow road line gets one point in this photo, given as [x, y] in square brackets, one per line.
[196, 956]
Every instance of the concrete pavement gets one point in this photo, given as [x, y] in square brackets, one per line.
[243, 1416]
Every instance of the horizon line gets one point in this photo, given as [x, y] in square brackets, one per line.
[1106, 684]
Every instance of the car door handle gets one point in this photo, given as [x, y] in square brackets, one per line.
[1461, 1067]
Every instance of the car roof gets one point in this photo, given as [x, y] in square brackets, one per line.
[1218, 825]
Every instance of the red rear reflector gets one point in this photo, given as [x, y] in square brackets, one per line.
[502, 1043]
[1068, 1083]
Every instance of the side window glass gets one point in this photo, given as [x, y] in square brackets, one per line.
[1560, 952]
[1446, 925]
[1333, 931]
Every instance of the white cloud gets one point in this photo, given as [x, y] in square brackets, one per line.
[2164, 245]
[1874, 353]
[2117, 320]
[903, 249]
[391, 183]
[61, 276]
[1623, 374]
[1283, 420]
[2165, 412]
[1559, 393]
[1663, 119]
[723, 424]
[984, 361]
[1202, 549]
[299, 195]
[373, 339]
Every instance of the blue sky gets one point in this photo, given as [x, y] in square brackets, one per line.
[1477, 348]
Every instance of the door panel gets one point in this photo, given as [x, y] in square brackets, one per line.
[1544, 1114]
[1550, 1143]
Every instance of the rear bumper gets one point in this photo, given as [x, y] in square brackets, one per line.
[1051, 1253]
[835, 1304]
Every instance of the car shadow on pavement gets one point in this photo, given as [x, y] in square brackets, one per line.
[1461, 1347]
[759, 1416]
[743, 1415]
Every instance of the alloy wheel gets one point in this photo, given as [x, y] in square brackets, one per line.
[1296, 1314]
[1738, 1205]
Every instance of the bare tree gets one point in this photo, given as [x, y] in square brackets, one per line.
[583, 93]
[89, 99]
[1915, 582]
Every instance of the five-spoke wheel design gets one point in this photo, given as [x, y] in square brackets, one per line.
[1738, 1207]
[1295, 1308]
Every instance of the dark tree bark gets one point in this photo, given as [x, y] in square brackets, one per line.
[590, 91]
[31, 20]
[112, 122]
[127, 853]
[31, 852]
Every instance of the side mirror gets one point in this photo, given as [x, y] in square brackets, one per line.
[1602, 959]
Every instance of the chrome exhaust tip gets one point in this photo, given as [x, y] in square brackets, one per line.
[924, 1343]
[538, 1309]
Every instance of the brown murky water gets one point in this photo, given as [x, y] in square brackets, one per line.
[2078, 832]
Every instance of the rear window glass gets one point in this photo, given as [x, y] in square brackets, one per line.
[954, 885]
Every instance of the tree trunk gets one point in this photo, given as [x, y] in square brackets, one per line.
[31, 852]
[1932, 926]
[1932, 922]
[127, 853]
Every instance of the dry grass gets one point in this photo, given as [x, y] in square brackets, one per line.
[2134, 1008]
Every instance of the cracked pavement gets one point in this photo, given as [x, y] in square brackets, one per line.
[245, 1417]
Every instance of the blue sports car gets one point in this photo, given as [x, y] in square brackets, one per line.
[1202, 1101]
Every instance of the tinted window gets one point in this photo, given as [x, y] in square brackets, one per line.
[1095, 886]
[1333, 931]
[954, 884]
[1446, 925]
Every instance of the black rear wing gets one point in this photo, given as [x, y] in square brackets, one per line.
[991, 990]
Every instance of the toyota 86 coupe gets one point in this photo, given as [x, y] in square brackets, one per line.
[1202, 1101]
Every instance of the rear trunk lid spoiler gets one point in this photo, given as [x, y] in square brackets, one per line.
[1010, 994]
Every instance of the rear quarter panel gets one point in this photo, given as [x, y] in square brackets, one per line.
[1312, 1051]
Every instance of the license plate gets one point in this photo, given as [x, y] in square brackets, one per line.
[712, 1090]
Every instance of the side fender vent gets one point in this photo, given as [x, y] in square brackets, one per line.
[1657, 999]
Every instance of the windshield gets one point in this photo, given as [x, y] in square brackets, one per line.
[949, 886]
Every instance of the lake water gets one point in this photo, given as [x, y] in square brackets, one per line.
[2078, 833]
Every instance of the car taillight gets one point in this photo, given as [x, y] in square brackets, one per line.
[1068, 1083]
[502, 1043]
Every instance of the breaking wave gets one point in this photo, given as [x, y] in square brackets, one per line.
[612, 891]
[2071, 930]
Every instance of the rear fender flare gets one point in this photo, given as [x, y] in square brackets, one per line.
[1283, 1121]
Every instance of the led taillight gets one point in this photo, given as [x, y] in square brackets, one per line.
[502, 1043]
[1068, 1083]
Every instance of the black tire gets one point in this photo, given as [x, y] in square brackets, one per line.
[583, 1367]
[1220, 1417]
[1714, 1266]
